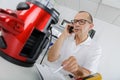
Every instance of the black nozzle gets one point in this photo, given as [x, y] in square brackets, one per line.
[2, 43]
[23, 6]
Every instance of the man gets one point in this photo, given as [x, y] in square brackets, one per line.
[77, 52]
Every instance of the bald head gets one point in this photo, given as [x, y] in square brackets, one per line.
[89, 15]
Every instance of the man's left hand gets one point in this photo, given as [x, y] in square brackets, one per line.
[70, 64]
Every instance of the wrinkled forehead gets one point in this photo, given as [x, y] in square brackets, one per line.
[82, 15]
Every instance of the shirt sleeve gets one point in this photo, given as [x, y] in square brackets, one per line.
[92, 60]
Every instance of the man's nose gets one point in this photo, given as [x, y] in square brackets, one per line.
[77, 24]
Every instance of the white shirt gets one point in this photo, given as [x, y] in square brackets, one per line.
[87, 53]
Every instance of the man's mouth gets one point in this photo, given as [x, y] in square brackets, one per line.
[76, 30]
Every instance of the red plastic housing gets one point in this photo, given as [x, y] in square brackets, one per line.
[17, 26]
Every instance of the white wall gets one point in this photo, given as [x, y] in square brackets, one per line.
[108, 36]
[109, 40]
[9, 4]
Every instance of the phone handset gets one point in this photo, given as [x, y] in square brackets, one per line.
[70, 29]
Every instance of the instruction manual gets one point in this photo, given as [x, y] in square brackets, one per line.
[47, 73]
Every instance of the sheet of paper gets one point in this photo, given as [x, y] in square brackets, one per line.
[48, 73]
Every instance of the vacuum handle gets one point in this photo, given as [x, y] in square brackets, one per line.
[10, 22]
[56, 12]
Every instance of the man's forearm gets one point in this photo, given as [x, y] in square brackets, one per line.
[54, 51]
[81, 72]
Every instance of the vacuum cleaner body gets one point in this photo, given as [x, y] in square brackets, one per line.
[25, 31]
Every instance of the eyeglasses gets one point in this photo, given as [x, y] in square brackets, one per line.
[81, 21]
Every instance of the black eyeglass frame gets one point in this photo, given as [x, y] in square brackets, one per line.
[75, 21]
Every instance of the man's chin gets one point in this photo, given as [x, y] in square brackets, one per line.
[76, 32]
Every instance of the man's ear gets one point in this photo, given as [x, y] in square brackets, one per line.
[91, 26]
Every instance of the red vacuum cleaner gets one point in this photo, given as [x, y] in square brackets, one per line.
[25, 31]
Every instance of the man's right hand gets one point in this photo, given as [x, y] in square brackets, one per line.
[66, 32]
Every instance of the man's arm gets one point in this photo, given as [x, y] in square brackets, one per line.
[54, 51]
[81, 72]
[71, 65]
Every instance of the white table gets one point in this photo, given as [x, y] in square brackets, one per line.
[10, 71]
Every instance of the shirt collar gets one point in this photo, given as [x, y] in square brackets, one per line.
[86, 42]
